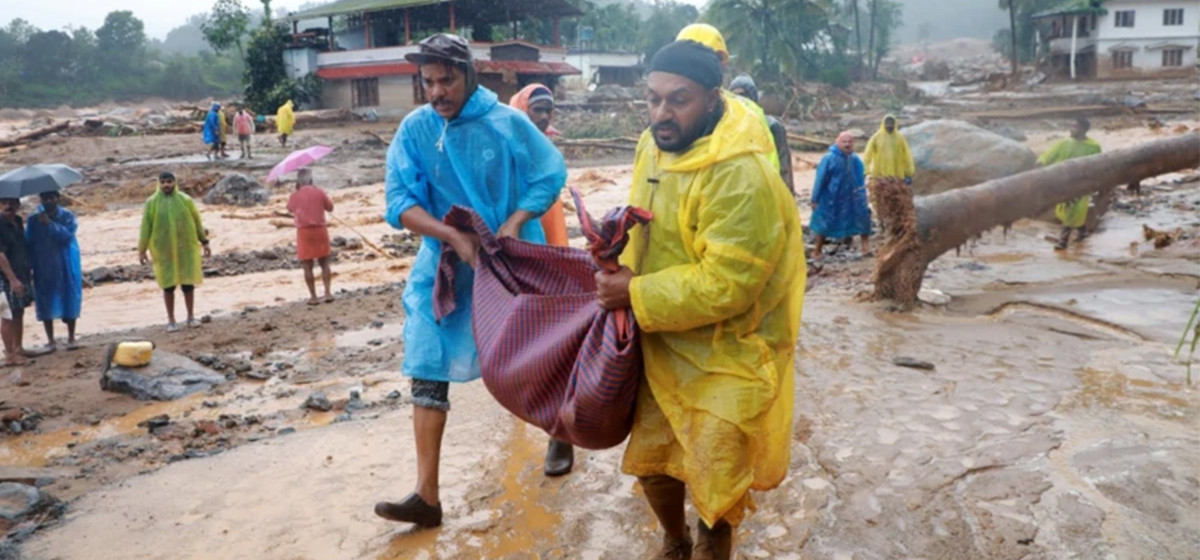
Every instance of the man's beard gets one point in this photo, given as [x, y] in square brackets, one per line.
[683, 138]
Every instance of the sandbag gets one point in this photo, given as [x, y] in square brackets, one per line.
[548, 352]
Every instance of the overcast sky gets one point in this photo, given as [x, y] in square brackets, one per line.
[160, 16]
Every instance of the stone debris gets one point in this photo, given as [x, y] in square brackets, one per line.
[238, 189]
[168, 377]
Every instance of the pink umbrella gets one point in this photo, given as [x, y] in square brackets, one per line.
[298, 159]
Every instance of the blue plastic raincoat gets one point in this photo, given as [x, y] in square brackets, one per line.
[492, 159]
[212, 125]
[57, 272]
[840, 196]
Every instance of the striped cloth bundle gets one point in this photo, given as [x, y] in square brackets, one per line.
[547, 351]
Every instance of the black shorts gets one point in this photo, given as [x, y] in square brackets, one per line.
[17, 304]
[431, 394]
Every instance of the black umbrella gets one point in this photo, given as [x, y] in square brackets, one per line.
[37, 179]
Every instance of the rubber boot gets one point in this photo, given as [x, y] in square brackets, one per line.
[713, 544]
[1063, 239]
[560, 457]
[665, 495]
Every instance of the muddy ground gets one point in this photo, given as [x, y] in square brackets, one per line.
[1054, 424]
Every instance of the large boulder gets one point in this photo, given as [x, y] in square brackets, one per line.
[238, 189]
[167, 377]
[954, 154]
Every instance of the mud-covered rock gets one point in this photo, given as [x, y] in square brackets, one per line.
[167, 377]
[318, 401]
[238, 189]
[953, 154]
[21, 502]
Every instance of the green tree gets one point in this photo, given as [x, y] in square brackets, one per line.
[84, 53]
[667, 17]
[226, 25]
[776, 38]
[886, 17]
[122, 43]
[48, 57]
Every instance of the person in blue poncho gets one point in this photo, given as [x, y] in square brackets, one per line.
[212, 131]
[463, 148]
[839, 198]
[57, 274]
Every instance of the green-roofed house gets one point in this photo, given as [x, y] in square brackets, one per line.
[361, 61]
[1122, 38]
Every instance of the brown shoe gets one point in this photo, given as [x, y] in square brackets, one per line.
[675, 549]
[713, 544]
[560, 457]
[412, 510]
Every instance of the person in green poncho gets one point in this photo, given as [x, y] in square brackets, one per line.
[1073, 213]
[175, 237]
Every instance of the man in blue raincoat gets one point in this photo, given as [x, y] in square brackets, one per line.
[463, 148]
[839, 198]
[212, 131]
[57, 274]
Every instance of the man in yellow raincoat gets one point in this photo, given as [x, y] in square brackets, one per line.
[1073, 213]
[887, 154]
[285, 122]
[175, 237]
[711, 37]
[716, 282]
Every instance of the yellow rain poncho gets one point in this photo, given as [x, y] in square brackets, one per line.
[719, 287]
[224, 124]
[285, 118]
[1073, 213]
[887, 154]
[172, 231]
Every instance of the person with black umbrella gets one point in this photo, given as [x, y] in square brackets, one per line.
[15, 282]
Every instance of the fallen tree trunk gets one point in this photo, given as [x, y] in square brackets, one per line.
[947, 220]
[35, 134]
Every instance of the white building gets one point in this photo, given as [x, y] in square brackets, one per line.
[603, 67]
[1123, 38]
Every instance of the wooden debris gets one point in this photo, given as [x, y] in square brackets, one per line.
[35, 134]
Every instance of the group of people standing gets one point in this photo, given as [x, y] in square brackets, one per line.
[216, 129]
[174, 239]
[716, 280]
[39, 266]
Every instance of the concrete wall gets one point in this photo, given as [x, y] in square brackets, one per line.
[299, 62]
[396, 93]
[1147, 60]
[336, 93]
[1148, 20]
[589, 63]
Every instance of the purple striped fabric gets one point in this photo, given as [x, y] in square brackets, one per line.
[548, 352]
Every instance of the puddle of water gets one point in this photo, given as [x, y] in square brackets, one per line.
[1158, 313]
[1116, 391]
[521, 521]
[37, 450]
[1002, 258]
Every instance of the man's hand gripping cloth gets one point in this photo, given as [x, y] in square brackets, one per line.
[548, 353]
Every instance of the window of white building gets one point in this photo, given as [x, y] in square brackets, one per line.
[1124, 18]
[1173, 16]
[1122, 59]
[1172, 58]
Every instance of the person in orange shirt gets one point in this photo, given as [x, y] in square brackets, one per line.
[243, 123]
[537, 102]
[308, 206]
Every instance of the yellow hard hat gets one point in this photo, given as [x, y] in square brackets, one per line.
[706, 35]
